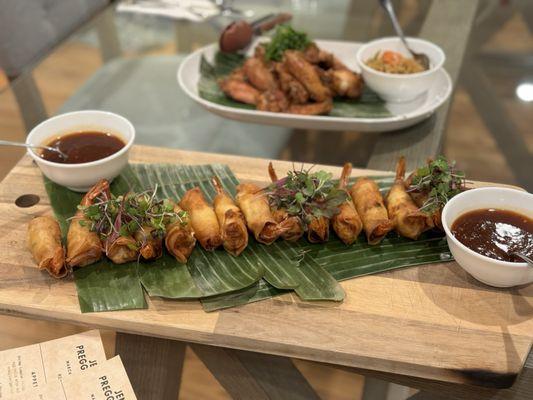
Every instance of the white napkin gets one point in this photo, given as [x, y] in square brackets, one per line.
[192, 10]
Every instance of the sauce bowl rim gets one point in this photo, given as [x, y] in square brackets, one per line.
[450, 235]
[123, 150]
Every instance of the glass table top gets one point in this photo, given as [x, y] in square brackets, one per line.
[127, 62]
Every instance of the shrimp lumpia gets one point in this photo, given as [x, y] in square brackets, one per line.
[254, 206]
[44, 241]
[122, 249]
[179, 238]
[231, 220]
[203, 219]
[150, 243]
[318, 230]
[369, 205]
[346, 223]
[405, 215]
[291, 227]
[83, 245]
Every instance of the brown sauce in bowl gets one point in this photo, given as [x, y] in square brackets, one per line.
[82, 147]
[493, 233]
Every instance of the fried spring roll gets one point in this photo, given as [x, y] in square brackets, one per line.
[150, 245]
[203, 219]
[179, 238]
[318, 230]
[121, 250]
[406, 217]
[44, 242]
[254, 206]
[420, 199]
[83, 245]
[369, 205]
[291, 227]
[347, 224]
[231, 220]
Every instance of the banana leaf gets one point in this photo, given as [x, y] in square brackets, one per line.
[103, 286]
[220, 280]
[369, 105]
[344, 262]
[209, 273]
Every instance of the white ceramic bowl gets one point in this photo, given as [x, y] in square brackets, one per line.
[81, 177]
[400, 88]
[487, 270]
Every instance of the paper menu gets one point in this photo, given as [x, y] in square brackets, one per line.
[31, 367]
[106, 381]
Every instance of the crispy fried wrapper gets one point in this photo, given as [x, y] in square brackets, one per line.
[83, 245]
[346, 223]
[179, 238]
[370, 207]
[291, 227]
[420, 199]
[123, 249]
[231, 220]
[150, 245]
[203, 219]
[405, 215]
[318, 230]
[44, 242]
[254, 205]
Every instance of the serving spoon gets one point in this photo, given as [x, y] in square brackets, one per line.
[239, 34]
[421, 58]
[33, 146]
[528, 260]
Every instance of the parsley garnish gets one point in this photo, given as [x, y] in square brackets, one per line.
[440, 181]
[285, 38]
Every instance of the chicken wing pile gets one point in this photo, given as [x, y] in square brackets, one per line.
[303, 82]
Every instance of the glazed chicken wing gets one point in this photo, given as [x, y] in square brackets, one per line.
[323, 107]
[345, 83]
[239, 90]
[306, 74]
[293, 89]
[272, 100]
[325, 59]
[258, 74]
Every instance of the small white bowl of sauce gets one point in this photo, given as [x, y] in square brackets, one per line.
[483, 225]
[96, 143]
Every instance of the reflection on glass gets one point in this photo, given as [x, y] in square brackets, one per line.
[524, 91]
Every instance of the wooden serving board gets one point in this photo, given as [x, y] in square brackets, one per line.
[432, 321]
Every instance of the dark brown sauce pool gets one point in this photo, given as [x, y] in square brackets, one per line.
[83, 147]
[493, 232]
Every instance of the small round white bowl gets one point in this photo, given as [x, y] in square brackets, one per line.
[400, 88]
[81, 177]
[485, 269]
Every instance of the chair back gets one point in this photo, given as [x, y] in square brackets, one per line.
[29, 29]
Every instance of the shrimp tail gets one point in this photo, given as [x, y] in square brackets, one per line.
[345, 175]
[217, 184]
[272, 172]
[102, 186]
[400, 169]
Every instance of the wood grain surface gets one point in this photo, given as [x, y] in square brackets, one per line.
[433, 321]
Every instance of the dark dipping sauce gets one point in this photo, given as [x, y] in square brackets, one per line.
[493, 232]
[83, 147]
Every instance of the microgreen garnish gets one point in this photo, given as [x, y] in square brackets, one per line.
[306, 194]
[440, 181]
[299, 257]
[113, 216]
